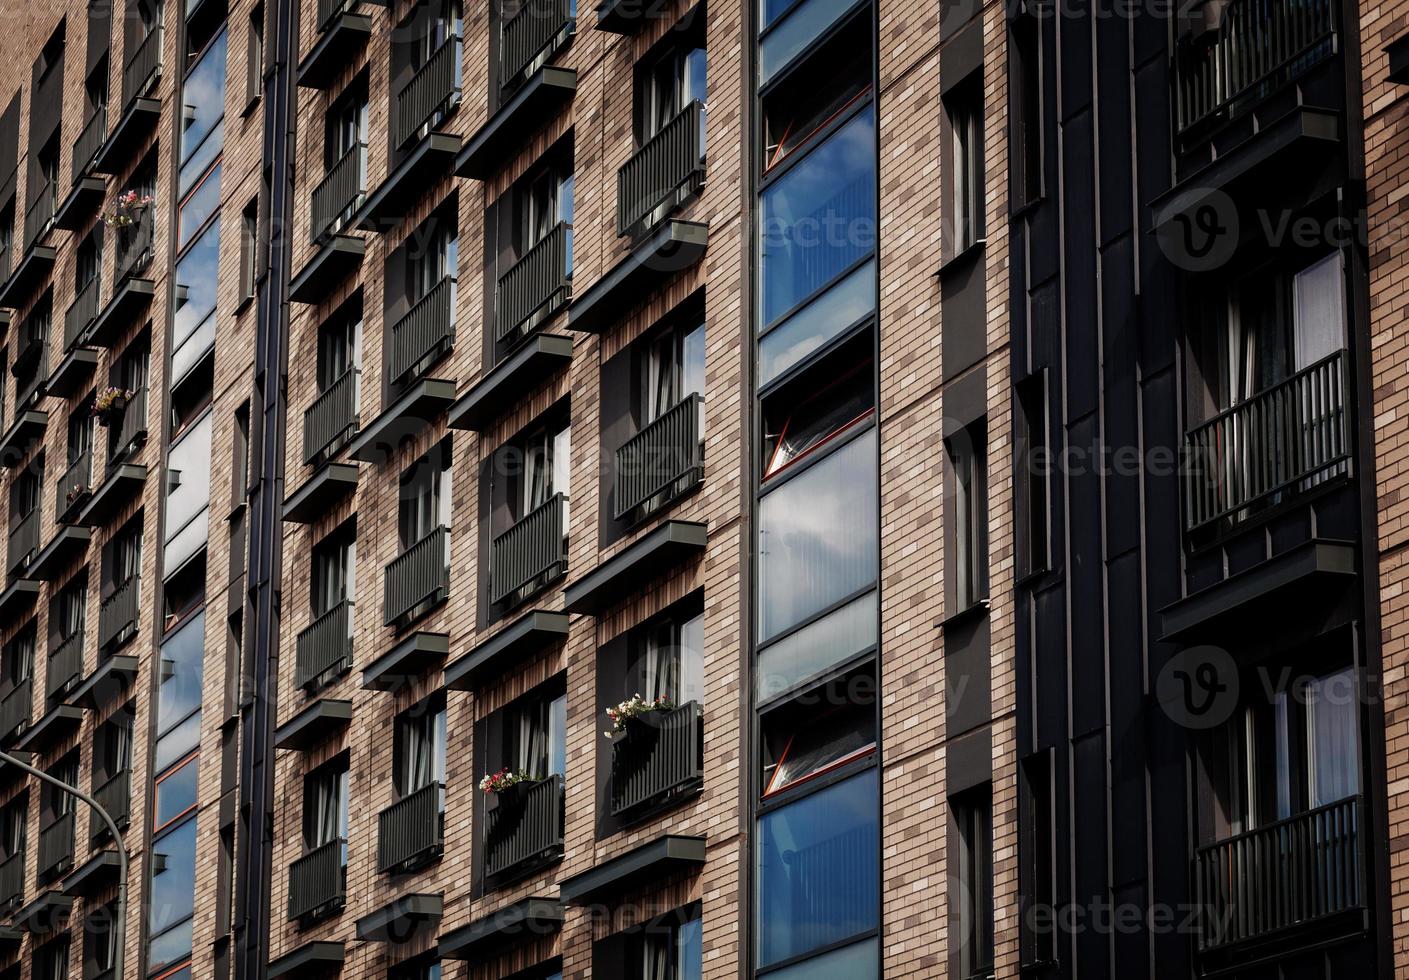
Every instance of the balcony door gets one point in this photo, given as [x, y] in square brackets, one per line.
[334, 573]
[425, 497]
[431, 262]
[547, 455]
[666, 84]
[339, 350]
[547, 201]
[537, 736]
[674, 368]
[420, 748]
[441, 24]
[325, 814]
[669, 660]
[347, 129]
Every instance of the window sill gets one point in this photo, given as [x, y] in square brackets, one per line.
[1032, 578]
[1027, 207]
[243, 305]
[250, 106]
[976, 611]
[963, 257]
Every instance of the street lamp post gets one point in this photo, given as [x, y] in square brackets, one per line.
[121, 912]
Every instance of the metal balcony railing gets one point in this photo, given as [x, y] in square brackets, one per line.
[662, 460]
[532, 552]
[39, 214]
[1257, 46]
[339, 192]
[130, 429]
[662, 173]
[328, 9]
[56, 846]
[1278, 442]
[142, 66]
[24, 540]
[433, 89]
[81, 312]
[411, 831]
[89, 141]
[75, 486]
[525, 827]
[117, 615]
[318, 880]
[658, 756]
[15, 708]
[324, 649]
[1281, 877]
[536, 286]
[421, 574]
[114, 796]
[65, 667]
[332, 416]
[425, 332]
[528, 35]
[134, 245]
[12, 880]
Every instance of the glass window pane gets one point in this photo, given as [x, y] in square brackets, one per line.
[171, 947]
[690, 951]
[195, 284]
[203, 97]
[819, 218]
[199, 206]
[1331, 705]
[201, 160]
[173, 889]
[817, 323]
[797, 33]
[854, 962]
[816, 648]
[176, 793]
[818, 870]
[180, 692]
[188, 477]
[817, 537]
[179, 742]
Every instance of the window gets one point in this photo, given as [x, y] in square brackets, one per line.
[325, 805]
[667, 81]
[99, 939]
[193, 322]
[112, 759]
[425, 496]
[179, 697]
[673, 368]
[545, 201]
[817, 537]
[14, 817]
[818, 873]
[432, 261]
[668, 947]
[963, 107]
[974, 833]
[51, 55]
[339, 347]
[203, 99]
[1025, 86]
[820, 731]
[51, 960]
[47, 171]
[1037, 901]
[419, 970]
[25, 490]
[419, 746]
[191, 395]
[535, 734]
[254, 54]
[249, 238]
[130, 373]
[187, 517]
[334, 570]
[818, 92]
[171, 896]
[967, 454]
[69, 609]
[88, 259]
[835, 395]
[1033, 474]
[184, 590]
[175, 793]
[545, 457]
[240, 457]
[19, 657]
[198, 205]
[344, 133]
[668, 659]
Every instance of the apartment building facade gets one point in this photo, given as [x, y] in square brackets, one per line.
[811, 488]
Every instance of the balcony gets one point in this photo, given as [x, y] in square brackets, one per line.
[1292, 876]
[531, 37]
[531, 553]
[431, 92]
[1255, 47]
[662, 174]
[331, 418]
[318, 882]
[81, 313]
[74, 488]
[342, 34]
[420, 576]
[535, 287]
[525, 828]
[65, 668]
[659, 757]
[89, 142]
[130, 432]
[56, 848]
[128, 301]
[15, 708]
[24, 540]
[32, 271]
[39, 215]
[339, 193]
[662, 461]
[115, 796]
[134, 245]
[1281, 442]
[117, 615]
[142, 66]
[411, 832]
[324, 649]
[424, 334]
[12, 882]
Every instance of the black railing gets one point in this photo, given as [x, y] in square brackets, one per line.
[411, 831]
[1280, 441]
[657, 757]
[130, 429]
[433, 89]
[89, 141]
[536, 286]
[532, 552]
[65, 667]
[24, 539]
[324, 649]
[662, 173]
[525, 827]
[39, 214]
[328, 9]
[134, 245]
[1257, 45]
[117, 615]
[15, 708]
[142, 66]
[528, 35]
[419, 575]
[662, 460]
[75, 486]
[12, 880]
[56, 846]
[1281, 877]
[332, 416]
[337, 195]
[425, 332]
[115, 796]
[81, 313]
[318, 880]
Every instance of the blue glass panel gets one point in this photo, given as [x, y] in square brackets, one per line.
[181, 664]
[813, 326]
[819, 870]
[173, 889]
[176, 793]
[855, 962]
[195, 284]
[816, 648]
[203, 97]
[201, 160]
[199, 206]
[691, 950]
[794, 35]
[178, 743]
[819, 218]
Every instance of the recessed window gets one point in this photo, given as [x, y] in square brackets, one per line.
[1025, 122]
[818, 92]
[968, 485]
[820, 731]
[51, 960]
[963, 107]
[184, 590]
[249, 239]
[668, 80]
[973, 821]
[254, 54]
[418, 747]
[325, 805]
[833, 396]
[535, 734]
[425, 496]
[1037, 880]
[1033, 476]
[667, 659]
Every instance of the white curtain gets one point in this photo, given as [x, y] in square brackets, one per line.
[1318, 293]
[1331, 704]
